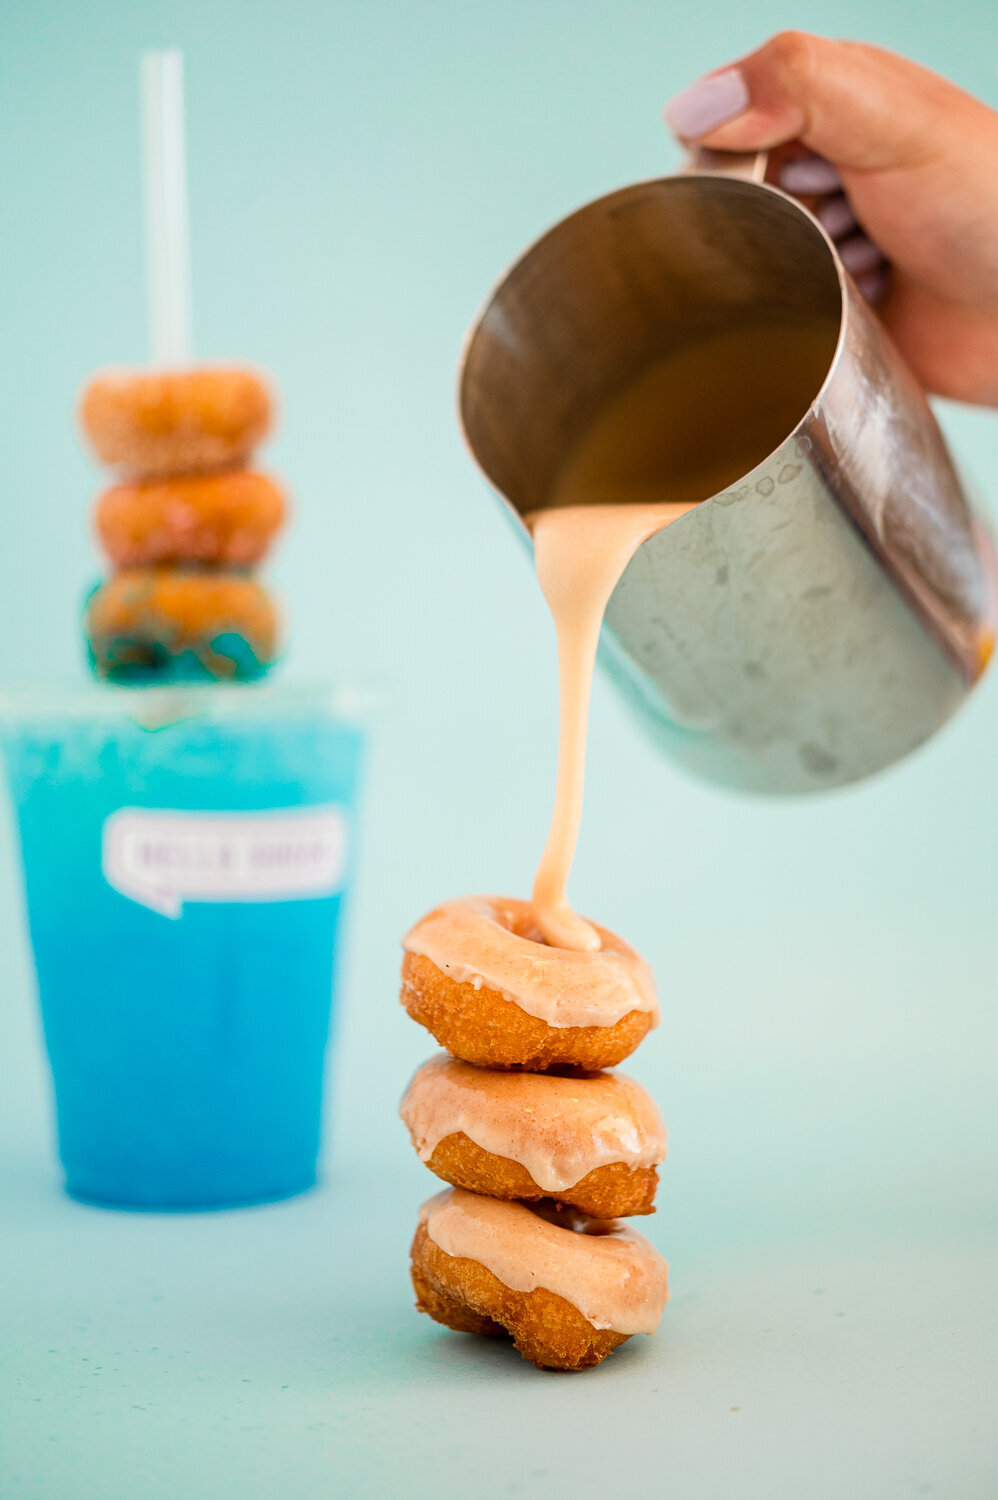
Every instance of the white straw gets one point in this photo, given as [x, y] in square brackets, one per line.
[168, 257]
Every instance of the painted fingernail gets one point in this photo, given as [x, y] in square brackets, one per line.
[708, 103]
[809, 174]
[858, 254]
[873, 285]
[836, 216]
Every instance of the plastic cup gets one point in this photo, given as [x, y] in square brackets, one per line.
[186, 857]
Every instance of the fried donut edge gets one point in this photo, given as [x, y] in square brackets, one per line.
[480, 1026]
[613, 1191]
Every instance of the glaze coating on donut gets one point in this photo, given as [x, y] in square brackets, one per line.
[493, 942]
[480, 1026]
[226, 519]
[156, 422]
[592, 1140]
[568, 1289]
[465, 1296]
[184, 624]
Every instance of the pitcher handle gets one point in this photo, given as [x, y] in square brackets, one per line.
[750, 166]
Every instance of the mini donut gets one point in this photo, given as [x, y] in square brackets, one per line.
[226, 519]
[479, 977]
[155, 422]
[590, 1140]
[568, 1288]
[180, 624]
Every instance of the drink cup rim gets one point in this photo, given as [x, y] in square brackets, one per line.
[149, 706]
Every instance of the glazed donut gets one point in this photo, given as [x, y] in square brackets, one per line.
[154, 422]
[180, 624]
[566, 1287]
[591, 1140]
[226, 519]
[478, 976]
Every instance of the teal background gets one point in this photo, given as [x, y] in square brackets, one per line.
[360, 173]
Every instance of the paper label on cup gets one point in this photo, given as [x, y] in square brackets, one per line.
[162, 859]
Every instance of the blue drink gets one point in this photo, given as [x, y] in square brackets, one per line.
[184, 890]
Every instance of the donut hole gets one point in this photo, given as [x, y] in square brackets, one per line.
[570, 1071]
[517, 918]
[564, 1216]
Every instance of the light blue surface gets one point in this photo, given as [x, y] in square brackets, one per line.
[360, 174]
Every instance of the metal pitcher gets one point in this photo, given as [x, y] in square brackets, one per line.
[823, 615]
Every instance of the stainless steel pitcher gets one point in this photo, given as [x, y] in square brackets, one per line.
[823, 615]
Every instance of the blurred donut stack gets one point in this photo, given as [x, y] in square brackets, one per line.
[184, 525]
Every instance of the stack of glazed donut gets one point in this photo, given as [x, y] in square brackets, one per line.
[546, 1152]
[183, 525]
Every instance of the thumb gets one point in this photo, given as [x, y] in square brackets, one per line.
[861, 107]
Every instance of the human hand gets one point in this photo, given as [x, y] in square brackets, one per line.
[907, 166]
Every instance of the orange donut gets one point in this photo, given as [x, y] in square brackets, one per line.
[478, 976]
[566, 1287]
[590, 1140]
[227, 519]
[155, 422]
[166, 623]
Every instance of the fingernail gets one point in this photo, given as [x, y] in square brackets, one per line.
[836, 216]
[859, 254]
[809, 174]
[708, 103]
